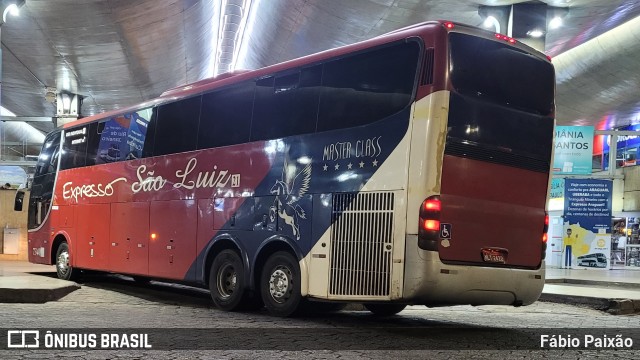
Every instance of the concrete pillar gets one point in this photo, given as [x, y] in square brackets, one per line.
[526, 22]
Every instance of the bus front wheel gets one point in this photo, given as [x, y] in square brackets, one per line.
[226, 280]
[280, 284]
[63, 263]
[385, 309]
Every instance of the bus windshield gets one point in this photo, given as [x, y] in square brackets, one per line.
[501, 106]
[500, 73]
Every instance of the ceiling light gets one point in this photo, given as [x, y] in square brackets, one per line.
[12, 7]
[536, 33]
[555, 23]
[491, 21]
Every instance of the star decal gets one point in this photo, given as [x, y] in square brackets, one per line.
[361, 164]
[375, 162]
[324, 168]
[349, 166]
[337, 166]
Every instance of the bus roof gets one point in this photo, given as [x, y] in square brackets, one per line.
[205, 85]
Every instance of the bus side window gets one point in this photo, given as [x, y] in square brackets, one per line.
[305, 108]
[225, 118]
[136, 136]
[74, 148]
[48, 159]
[367, 87]
[93, 140]
[150, 136]
[177, 126]
[267, 122]
[286, 105]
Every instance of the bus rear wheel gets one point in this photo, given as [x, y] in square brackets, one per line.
[226, 281]
[385, 309]
[280, 284]
[63, 263]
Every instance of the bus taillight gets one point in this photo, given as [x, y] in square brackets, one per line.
[431, 225]
[545, 237]
[431, 205]
[506, 38]
[429, 229]
[449, 25]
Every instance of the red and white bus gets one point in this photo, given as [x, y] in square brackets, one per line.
[412, 168]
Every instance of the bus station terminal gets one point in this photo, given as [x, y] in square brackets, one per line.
[324, 179]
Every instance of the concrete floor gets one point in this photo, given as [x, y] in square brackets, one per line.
[623, 284]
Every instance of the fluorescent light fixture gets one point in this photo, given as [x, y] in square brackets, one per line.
[215, 37]
[536, 33]
[6, 112]
[555, 23]
[30, 132]
[231, 33]
[246, 28]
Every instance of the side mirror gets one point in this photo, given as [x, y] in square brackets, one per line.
[17, 205]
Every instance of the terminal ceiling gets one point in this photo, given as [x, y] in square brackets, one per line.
[116, 53]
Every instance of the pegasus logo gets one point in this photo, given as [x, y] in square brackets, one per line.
[289, 190]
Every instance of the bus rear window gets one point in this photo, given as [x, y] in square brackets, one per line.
[502, 74]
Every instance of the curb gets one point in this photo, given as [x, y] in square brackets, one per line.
[611, 306]
[35, 296]
[593, 282]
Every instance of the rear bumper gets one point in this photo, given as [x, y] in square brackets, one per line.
[430, 282]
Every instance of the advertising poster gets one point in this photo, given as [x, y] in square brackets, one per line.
[626, 148]
[136, 134]
[113, 140]
[556, 195]
[123, 138]
[586, 238]
[573, 150]
[557, 189]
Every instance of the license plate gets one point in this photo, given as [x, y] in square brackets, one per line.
[498, 256]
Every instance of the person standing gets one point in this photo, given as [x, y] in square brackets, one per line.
[567, 243]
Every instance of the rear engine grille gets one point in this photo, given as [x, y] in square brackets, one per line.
[361, 244]
[427, 69]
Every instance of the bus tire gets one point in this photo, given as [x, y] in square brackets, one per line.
[280, 284]
[226, 280]
[385, 309]
[63, 265]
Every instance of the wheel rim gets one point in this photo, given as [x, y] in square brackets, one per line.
[281, 284]
[63, 262]
[227, 280]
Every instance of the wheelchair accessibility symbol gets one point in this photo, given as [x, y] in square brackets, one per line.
[445, 231]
